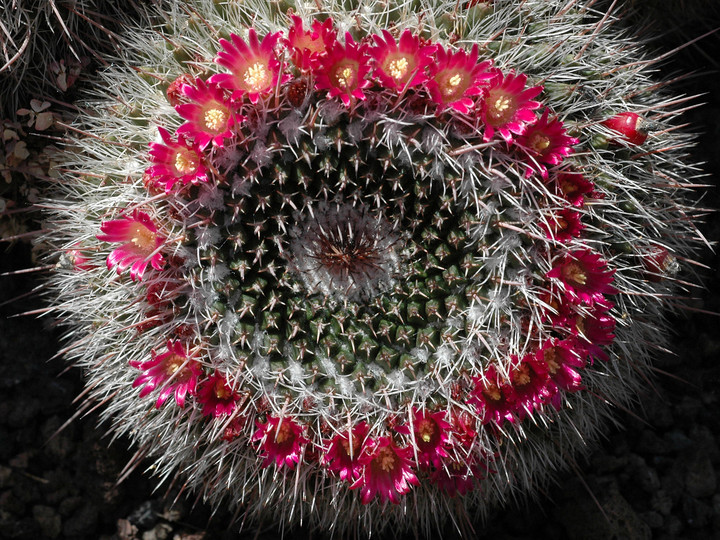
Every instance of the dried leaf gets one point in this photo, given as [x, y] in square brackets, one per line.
[44, 120]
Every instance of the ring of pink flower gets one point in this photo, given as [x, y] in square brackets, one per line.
[437, 444]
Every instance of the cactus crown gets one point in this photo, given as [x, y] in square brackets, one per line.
[374, 256]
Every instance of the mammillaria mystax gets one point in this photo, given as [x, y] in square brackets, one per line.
[392, 275]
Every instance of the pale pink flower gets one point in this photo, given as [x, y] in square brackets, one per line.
[173, 371]
[402, 64]
[210, 117]
[174, 162]
[140, 244]
[507, 106]
[457, 76]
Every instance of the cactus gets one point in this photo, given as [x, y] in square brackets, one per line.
[367, 265]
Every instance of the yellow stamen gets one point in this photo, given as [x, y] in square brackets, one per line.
[426, 429]
[522, 375]
[501, 107]
[398, 68]
[221, 391]
[386, 458]
[539, 142]
[186, 162]
[574, 272]
[345, 77]
[173, 363]
[283, 433]
[216, 119]
[142, 237]
[550, 359]
[257, 77]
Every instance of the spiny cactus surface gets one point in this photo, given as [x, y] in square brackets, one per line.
[370, 265]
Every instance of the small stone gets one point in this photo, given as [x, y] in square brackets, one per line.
[83, 521]
[661, 502]
[697, 513]
[126, 530]
[49, 521]
[161, 531]
[653, 519]
[700, 479]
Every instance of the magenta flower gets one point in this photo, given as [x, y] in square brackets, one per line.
[254, 67]
[309, 46]
[584, 276]
[457, 76]
[343, 454]
[176, 161]
[216, 397]
[386, 471]
[431, 432]
[210, 117]
[281, 441]
[493, 399]
[595, 330]
[528, 379]
[401, 65]
[507, 106]
[573, 186]
[563, 225]
[172, 371]
[563, 359]
[455, 478]
[343, 72]
[140, 244]
[546, 143]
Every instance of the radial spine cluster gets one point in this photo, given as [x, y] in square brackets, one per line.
[338, 262]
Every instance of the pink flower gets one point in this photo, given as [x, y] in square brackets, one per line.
[343, 72]
[455, 77]
[216, 397]
[507, 106]
[493, 398]
[386, 471]
[343, 454]
[431, 432]
[595, 330]
[174, 162]
[210, 117]
[546, 143]
[172, 371]
[564, 225]
[281, 441]
[528, 379]
[455, 478]
[309, 46]
[562, 359]
[584, 276]
[140, 244]
[254, 68]
[400, 66]
[573, 186]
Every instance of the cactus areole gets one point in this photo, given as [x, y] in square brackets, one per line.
[366, 270]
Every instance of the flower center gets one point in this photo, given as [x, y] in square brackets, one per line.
[453, 86]
[221, 390]
[500, 107]
[539, 142]
[521, 376]
[385, 459]
[550, 357]
[426, 430]
[345, 76]
[284, 433]
[216, 119]
[142, 238]
[493, 392]
[575, 273]
[257, 77]
[173, 363]
[355, 446]
[398, 68]
[186, 162]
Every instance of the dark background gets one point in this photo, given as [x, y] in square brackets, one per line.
[657, 477]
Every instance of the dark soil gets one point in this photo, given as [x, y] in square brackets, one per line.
[657, 477]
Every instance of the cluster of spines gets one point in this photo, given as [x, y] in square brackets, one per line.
[255, 72]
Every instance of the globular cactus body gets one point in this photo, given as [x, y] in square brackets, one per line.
[375, 267]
